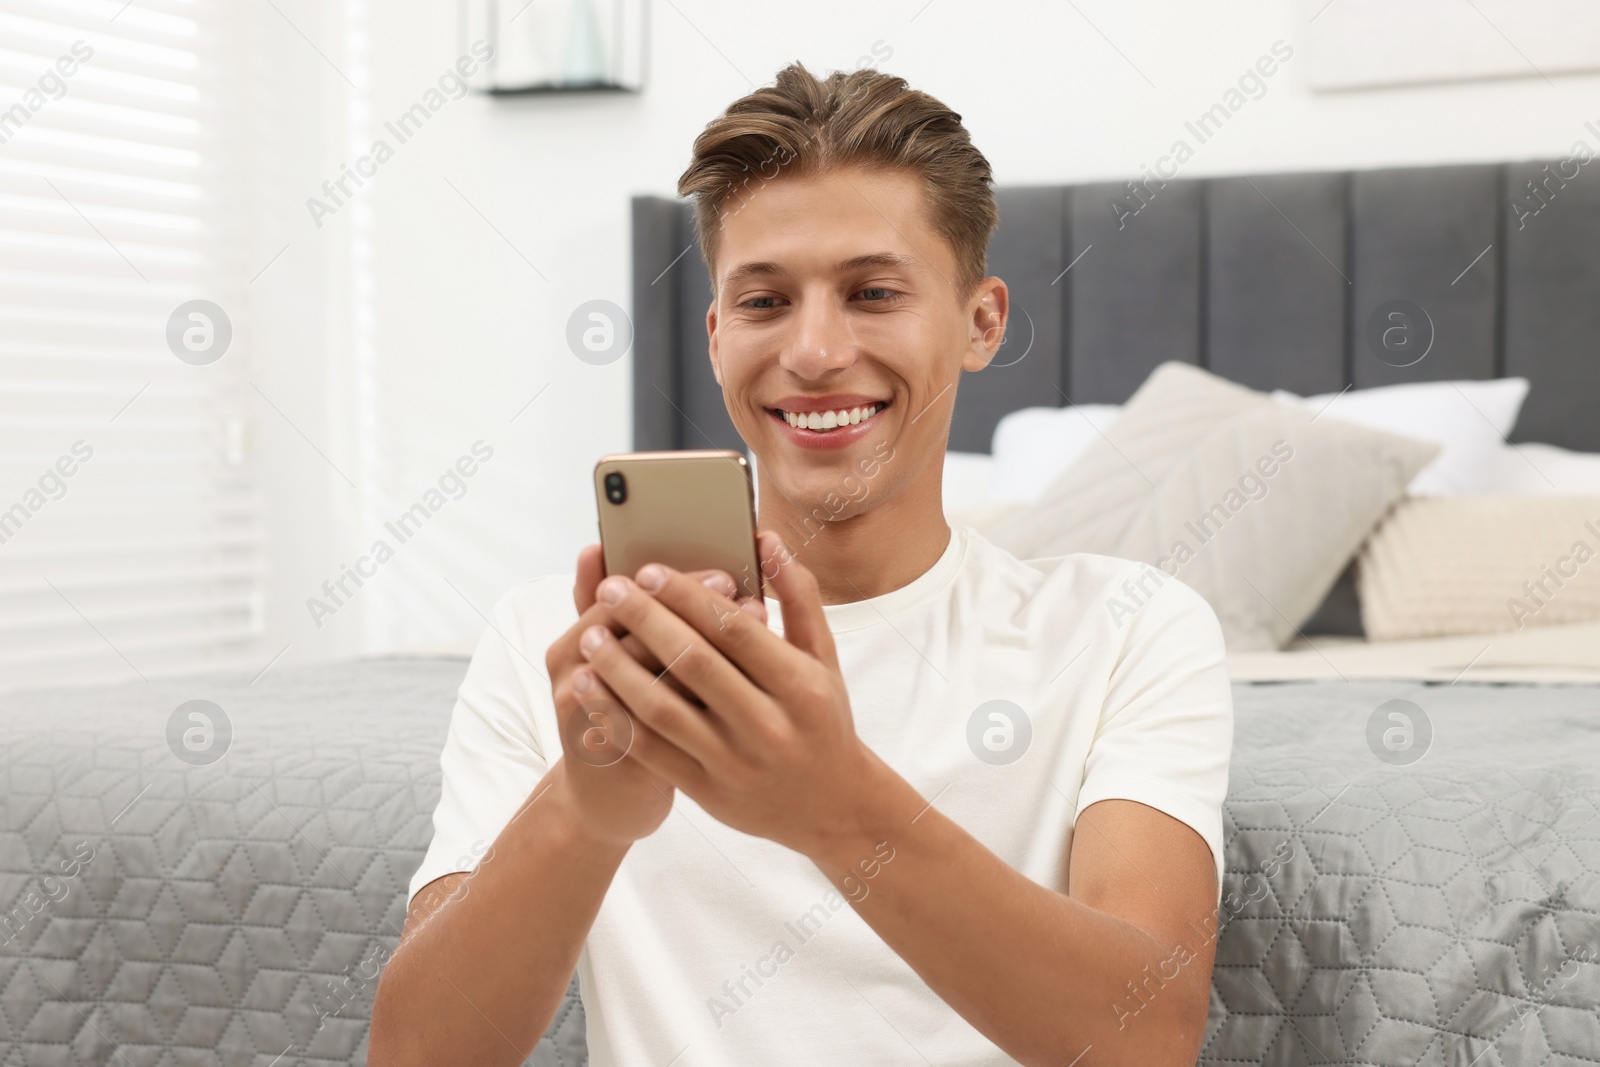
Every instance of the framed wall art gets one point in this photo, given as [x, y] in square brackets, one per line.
[556, 46]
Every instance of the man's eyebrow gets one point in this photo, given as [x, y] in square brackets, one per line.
[745, 271]
[876, 259]
[764, 268]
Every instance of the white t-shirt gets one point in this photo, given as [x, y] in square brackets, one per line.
[714, 948]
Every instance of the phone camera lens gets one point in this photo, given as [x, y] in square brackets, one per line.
[616, 487]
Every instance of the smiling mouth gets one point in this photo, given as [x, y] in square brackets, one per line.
[823, 421]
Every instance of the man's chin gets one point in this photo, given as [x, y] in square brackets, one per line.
[842, 496]
[831, 508]
[838, 485]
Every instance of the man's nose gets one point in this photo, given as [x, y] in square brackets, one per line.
[823, 340]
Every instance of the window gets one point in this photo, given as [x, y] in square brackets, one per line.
[129, 513]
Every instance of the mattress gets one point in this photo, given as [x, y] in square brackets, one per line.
[1430, 903]
[1564, 653]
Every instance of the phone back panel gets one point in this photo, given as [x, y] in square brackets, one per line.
[692, 510]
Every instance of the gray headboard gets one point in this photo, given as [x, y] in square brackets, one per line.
[1267, 280]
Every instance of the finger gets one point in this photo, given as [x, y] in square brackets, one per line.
[666, 761]
[794, 586]
[724, 686]
[572, 695]
[744, 662]
[593, 726]
[716, 581]
[648, 661]
[591, 568]
[655, 705]
[563, 654]
[590, 613]
[722, 582]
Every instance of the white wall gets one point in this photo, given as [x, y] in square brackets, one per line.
[462, 329]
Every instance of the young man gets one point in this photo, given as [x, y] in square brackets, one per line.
[929, 803]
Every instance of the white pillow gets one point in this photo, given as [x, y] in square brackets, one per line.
[1033, 445]
[1249, 502]
[1543, 470]
[1468, 419]
[967, 479]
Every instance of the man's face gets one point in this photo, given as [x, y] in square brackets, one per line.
[835, 295]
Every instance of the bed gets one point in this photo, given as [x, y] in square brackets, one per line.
[1439, 904]
[239, 912]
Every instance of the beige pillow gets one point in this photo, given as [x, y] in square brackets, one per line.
[1254, 504]
[1472, 564]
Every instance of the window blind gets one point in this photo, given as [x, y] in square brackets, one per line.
[130, 522]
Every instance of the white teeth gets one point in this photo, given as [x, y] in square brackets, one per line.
[829, 420]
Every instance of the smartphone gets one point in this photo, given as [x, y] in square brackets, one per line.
[691, 510]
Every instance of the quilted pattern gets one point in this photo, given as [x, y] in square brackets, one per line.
[1443, 912]
[236, 913]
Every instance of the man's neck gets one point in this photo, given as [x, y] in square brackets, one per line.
[866, 556]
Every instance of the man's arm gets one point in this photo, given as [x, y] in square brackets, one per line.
[486, 957]
[1116, 972]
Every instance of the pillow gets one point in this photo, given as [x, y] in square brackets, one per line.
[1469, 419]
[1542, 470]
[1033, 445]
[1250, 502]
[1464, 565]
[986, 518]
[967, 479]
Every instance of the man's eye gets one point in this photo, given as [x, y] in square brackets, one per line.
[878, 294]
[760, 303]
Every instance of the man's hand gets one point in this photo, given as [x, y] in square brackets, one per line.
[759, 733]
[758, 730]
[619, 800]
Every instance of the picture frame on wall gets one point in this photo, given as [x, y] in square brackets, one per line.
[557, 46]
[1361, 44]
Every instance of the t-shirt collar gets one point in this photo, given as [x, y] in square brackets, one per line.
[896, 602]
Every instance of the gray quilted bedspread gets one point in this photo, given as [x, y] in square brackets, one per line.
[165, 907]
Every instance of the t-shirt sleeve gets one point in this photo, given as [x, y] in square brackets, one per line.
[493, 757]
[1166, 728]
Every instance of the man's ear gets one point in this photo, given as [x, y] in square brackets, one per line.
[711, 340]
[987, 310]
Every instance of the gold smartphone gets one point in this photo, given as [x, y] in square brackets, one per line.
[691, 510]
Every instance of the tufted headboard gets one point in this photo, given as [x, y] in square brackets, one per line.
[1271, 281]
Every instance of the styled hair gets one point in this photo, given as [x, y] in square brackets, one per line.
[800, 126]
